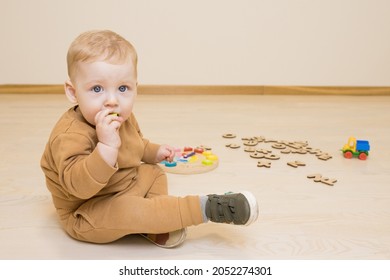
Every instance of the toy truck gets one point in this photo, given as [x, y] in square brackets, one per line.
[359, 148]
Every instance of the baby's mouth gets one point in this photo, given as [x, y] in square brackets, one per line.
[114, 114]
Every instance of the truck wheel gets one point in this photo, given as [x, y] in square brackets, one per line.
[363, 156]
[348, 154]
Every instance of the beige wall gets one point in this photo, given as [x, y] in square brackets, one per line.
[207, 42]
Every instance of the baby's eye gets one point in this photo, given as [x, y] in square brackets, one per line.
[123, 88]
[97, 89]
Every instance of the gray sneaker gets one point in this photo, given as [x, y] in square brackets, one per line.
[232, 208]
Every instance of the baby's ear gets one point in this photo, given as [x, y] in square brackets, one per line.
[70, 92]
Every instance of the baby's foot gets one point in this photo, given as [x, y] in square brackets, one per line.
[167, 240]
[232, 208]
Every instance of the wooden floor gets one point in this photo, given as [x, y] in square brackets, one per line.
[299, 219]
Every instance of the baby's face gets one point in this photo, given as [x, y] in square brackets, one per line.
[100, 85]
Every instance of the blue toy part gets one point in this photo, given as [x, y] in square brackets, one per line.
[362, 145]
[170, 164]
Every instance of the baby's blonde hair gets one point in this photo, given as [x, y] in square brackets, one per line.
[103, 45]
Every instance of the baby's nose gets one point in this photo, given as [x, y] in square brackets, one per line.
[111, 100]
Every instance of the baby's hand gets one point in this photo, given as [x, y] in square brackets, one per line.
[107, 128]
[165, 152]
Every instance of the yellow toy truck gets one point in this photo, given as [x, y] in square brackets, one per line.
[359, 148]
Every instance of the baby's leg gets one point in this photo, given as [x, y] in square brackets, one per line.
[106, 219]
[140, 209]
[152, 180]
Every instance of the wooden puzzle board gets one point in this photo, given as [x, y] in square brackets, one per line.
[190, 160]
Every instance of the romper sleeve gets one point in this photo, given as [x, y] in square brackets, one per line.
[81, 170]
[150, 149]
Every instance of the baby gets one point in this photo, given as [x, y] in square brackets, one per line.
[102, 172]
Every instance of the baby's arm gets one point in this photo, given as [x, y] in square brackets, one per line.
[82, 172]
[153, 153]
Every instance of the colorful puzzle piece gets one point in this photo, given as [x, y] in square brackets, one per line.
[191, 161]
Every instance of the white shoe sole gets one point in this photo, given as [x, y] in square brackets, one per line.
[253, 206]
